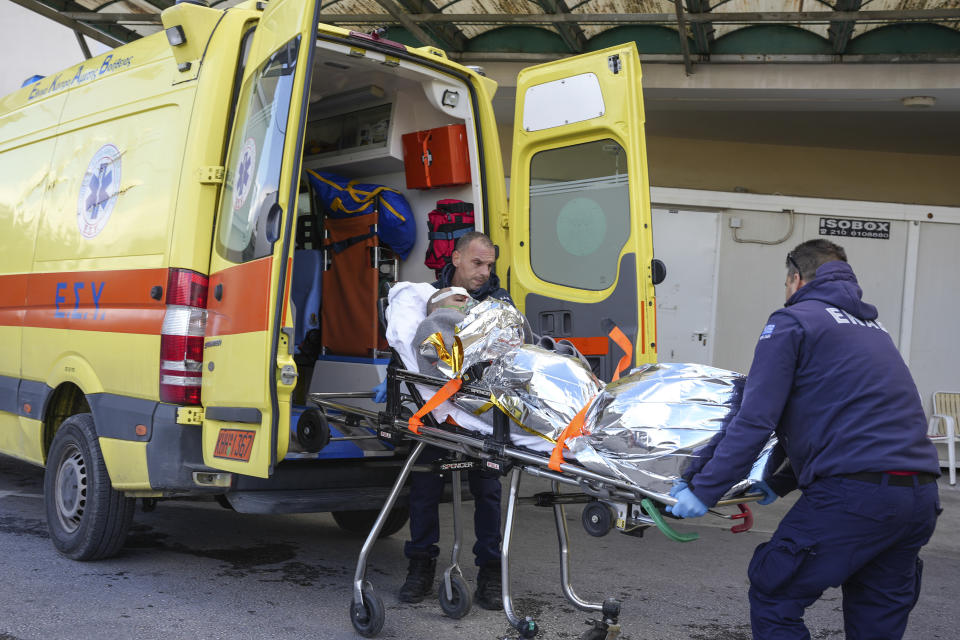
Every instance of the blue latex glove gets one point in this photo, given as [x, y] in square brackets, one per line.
[688, 505]
[766, 490]
[678, 486]
[380, 392]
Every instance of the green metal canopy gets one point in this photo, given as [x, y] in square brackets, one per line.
[687, 31]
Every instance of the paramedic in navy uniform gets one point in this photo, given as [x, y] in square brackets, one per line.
[828, 379]
[471, 268]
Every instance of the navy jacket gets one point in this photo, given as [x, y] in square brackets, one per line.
[490, 288]
[828, 379]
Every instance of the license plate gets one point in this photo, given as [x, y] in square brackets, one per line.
[234, 444]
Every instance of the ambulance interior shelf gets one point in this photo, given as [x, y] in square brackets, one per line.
[361, 139]
[366, 142]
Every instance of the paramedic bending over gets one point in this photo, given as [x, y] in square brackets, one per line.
[471, 268]
[828, 379]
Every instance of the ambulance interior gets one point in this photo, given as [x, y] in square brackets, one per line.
[361, 109]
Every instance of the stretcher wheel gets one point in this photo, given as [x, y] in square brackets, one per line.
[597, 519]
[367, 616]
[527, 628]
[462, 600]
[313, 431]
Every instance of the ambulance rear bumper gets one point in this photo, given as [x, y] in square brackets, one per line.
[312, 500]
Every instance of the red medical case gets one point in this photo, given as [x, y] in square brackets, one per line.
[436, 157]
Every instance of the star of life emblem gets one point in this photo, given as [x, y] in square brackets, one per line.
[244, 176]
[98, 191]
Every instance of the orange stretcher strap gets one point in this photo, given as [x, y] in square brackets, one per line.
[624, 343]
[574, 429]
[438, 398]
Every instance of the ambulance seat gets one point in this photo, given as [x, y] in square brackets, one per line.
[306, 285]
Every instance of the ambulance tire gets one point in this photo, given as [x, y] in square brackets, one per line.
[462, 600]
[362, 521]
[368, 617]
[87, 519]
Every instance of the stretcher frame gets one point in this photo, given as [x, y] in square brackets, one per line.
[634, 506]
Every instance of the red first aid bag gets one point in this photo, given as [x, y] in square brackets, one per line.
[445, 224]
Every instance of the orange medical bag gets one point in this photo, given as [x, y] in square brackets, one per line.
[436, 157]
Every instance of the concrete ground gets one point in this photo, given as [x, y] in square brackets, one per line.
[195, 570]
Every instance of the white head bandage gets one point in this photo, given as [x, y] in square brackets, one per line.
[451, 291]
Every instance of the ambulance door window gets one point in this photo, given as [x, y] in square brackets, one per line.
[579, 214]
[245, 44]
[250, 216]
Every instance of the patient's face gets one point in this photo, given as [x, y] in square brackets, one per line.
[457, 301]
[450, 298]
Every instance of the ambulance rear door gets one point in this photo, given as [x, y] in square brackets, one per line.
[248, 369]
[581, 244]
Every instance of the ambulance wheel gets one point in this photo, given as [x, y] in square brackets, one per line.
[86, 517]
[597, 519]
[462, 600]
[362, 521]
[367, 616]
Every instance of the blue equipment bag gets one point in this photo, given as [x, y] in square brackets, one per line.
[344, 198]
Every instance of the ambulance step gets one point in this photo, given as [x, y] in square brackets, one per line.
[311, 500]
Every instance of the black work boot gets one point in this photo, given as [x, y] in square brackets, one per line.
[489, 593]
[420, 578]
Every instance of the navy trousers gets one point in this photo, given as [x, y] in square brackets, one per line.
[860, 536]
[426, 489]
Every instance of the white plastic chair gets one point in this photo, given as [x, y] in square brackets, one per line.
[942, 426]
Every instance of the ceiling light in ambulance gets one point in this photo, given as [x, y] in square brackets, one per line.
[450, 98]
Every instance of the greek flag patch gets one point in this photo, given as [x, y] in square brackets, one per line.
[767, 331]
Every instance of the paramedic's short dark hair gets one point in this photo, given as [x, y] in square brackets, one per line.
[464, 241]
[807, 257]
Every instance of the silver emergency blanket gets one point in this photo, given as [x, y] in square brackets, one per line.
[646, 428]
[650, 426]
[540, 389]
[491, 329]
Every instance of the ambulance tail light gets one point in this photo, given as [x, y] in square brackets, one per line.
[188, 288]
[181, 339]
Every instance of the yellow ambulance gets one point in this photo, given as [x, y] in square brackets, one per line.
[157, 231]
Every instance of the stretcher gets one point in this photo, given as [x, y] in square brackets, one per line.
[610, 502]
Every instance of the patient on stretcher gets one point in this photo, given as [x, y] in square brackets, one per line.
[647, 428]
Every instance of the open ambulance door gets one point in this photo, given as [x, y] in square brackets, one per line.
[581, 243]
[248, 369]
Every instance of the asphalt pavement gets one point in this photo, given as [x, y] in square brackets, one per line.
[191, 569]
